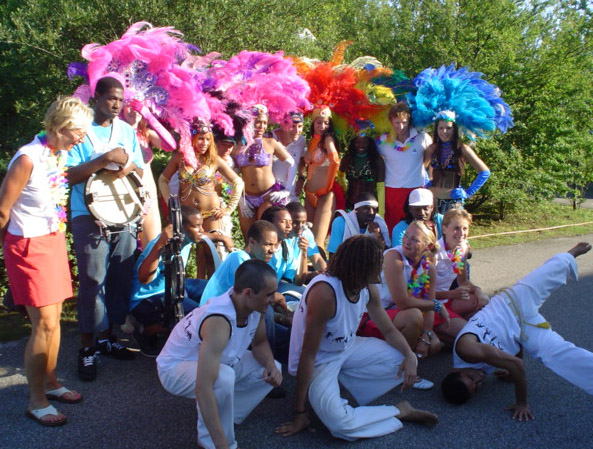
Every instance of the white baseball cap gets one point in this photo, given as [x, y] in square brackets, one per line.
[421, 197]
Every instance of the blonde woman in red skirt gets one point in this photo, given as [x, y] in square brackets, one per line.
[33, 197]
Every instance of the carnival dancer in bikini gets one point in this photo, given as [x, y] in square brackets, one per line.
[364, 170]
[462, 104]
[197, 185]
[255, 163]
[322, 162]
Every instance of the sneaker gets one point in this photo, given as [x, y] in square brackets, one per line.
[423, 384]
[87, 364]
[115, 349]
[148, 344]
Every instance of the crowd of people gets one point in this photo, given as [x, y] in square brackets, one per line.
[359, 309]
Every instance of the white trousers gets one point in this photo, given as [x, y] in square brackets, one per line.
[368, 369]
[238, 390]
[564, 358]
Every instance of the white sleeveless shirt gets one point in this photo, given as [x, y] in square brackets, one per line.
[384, 292]
[494, 325]
[340, 331]
[34, 213]
[444, 268]
[184, 341]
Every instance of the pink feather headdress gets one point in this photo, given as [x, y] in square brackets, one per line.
[149, 60]
[251, 78]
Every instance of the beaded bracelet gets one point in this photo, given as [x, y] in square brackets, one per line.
[437, 305]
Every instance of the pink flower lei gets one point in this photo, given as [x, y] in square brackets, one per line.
[55, 167]
[457, 259]
[418, 285]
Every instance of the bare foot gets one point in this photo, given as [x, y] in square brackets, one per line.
[409, 413]
[580, 249]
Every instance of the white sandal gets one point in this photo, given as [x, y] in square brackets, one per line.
[38, 414]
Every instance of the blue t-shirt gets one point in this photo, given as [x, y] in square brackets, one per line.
[157, 285]
[281, 264]
[400, 229]
[224, 276]
[82, 153]
[293, 242]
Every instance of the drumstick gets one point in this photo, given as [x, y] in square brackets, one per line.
[132, 193]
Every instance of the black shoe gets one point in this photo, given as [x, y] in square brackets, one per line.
[115, 349]
[87, 364]
[148, 344]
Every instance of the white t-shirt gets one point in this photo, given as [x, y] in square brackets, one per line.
[184, 341]
[340, 331]
[287, 175]
[404, 168]
[34, 213]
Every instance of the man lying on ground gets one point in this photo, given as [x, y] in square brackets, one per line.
[511, 322]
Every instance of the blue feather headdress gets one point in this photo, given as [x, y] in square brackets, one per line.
[475, 105]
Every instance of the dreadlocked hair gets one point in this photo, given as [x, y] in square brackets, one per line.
[357, 262]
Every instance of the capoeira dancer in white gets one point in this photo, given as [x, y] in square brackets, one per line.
[206, 356]
[496, 335]
[325, 350]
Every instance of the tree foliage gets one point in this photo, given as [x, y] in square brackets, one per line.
[538, 52]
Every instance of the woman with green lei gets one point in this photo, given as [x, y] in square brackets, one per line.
[364, 170]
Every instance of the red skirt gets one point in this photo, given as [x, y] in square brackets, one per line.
[37, 269]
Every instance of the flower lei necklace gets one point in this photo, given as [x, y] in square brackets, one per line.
[418, 285]
[58, 184]
[456, 258]
[400, 148]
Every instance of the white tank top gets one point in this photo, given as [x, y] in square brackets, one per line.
[494, 325]
[384, 292]
[444, 268]
[34, 213]
[184, 341]
[340, 331]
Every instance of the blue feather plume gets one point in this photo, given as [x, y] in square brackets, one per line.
[478, 105]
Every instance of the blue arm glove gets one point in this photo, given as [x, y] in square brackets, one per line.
[460, 194]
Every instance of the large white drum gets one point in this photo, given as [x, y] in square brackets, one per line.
[115, 201]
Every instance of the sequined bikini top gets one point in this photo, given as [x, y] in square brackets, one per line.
[254, 155]
[202, 176]
[447, 161]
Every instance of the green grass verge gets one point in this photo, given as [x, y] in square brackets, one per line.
[538, 216]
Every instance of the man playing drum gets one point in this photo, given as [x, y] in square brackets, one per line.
[105, 259]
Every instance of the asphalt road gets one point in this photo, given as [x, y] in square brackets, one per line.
[127, 408]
